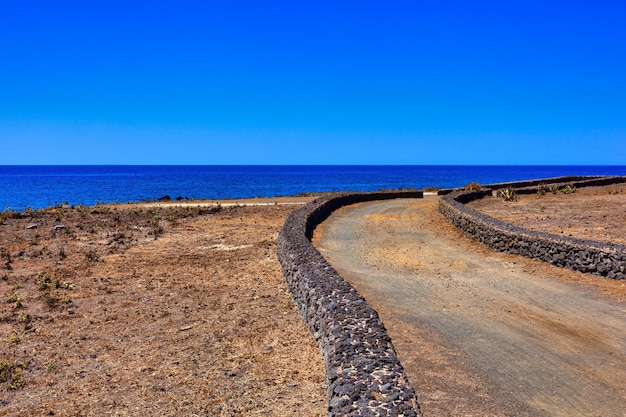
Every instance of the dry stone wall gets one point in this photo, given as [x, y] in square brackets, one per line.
[363, 374]
[578, 254]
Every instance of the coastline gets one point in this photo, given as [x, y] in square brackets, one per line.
[143, 306]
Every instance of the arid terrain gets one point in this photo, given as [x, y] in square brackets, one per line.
[596, 213]
[132, 311]
[168, 309]
[482, 333]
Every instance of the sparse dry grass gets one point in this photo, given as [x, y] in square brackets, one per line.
[596, 213]
[135, 310]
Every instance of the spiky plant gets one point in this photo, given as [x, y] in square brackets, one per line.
[507, 194]
[542, 189]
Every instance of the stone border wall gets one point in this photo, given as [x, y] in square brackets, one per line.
[578, 254]
[363, 374]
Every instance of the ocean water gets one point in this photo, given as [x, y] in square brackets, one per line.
[41, 186]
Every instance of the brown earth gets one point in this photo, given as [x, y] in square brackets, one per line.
[482, 333]
[596, 213]
[181, 309]
[173, 309]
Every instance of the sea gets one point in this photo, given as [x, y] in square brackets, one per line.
[36, 187]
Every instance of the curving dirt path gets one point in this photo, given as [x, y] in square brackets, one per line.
[481, 333]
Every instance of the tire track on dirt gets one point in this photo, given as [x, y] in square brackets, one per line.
[480, 333]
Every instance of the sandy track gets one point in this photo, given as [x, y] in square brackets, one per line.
[481, 333]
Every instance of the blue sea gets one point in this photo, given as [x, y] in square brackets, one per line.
[41, 186]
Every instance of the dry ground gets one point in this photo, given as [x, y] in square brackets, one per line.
[482, 333]
[182, 310]
[164, 310]
[596, 213]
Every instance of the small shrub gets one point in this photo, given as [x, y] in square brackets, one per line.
[507, 194]
[14, 339]
[45, 281]
[92, 256]
[472, 186]
[568, 189]
[554, 189]
[15, 299]
[157, 230]
[10, 374]
[56, 299]
[542, 189]
[29, 211]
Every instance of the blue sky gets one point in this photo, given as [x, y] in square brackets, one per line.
[342, 82]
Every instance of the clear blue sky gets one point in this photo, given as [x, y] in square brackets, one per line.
[299, 82]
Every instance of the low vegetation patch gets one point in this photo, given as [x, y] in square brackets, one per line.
[472, 186]
[507, 194]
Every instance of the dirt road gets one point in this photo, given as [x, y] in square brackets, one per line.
[481, 333]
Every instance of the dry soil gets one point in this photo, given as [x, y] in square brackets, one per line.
[166, 310]
[482, 333]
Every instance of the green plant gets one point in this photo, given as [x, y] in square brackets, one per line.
[44, 280]
[542, 208]
[554, 189]
[10, 373]
[55, 299]
[14, 338]
[507, 194]
[542, 189]
[52, 366]
[568, 189]
[16, 299]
